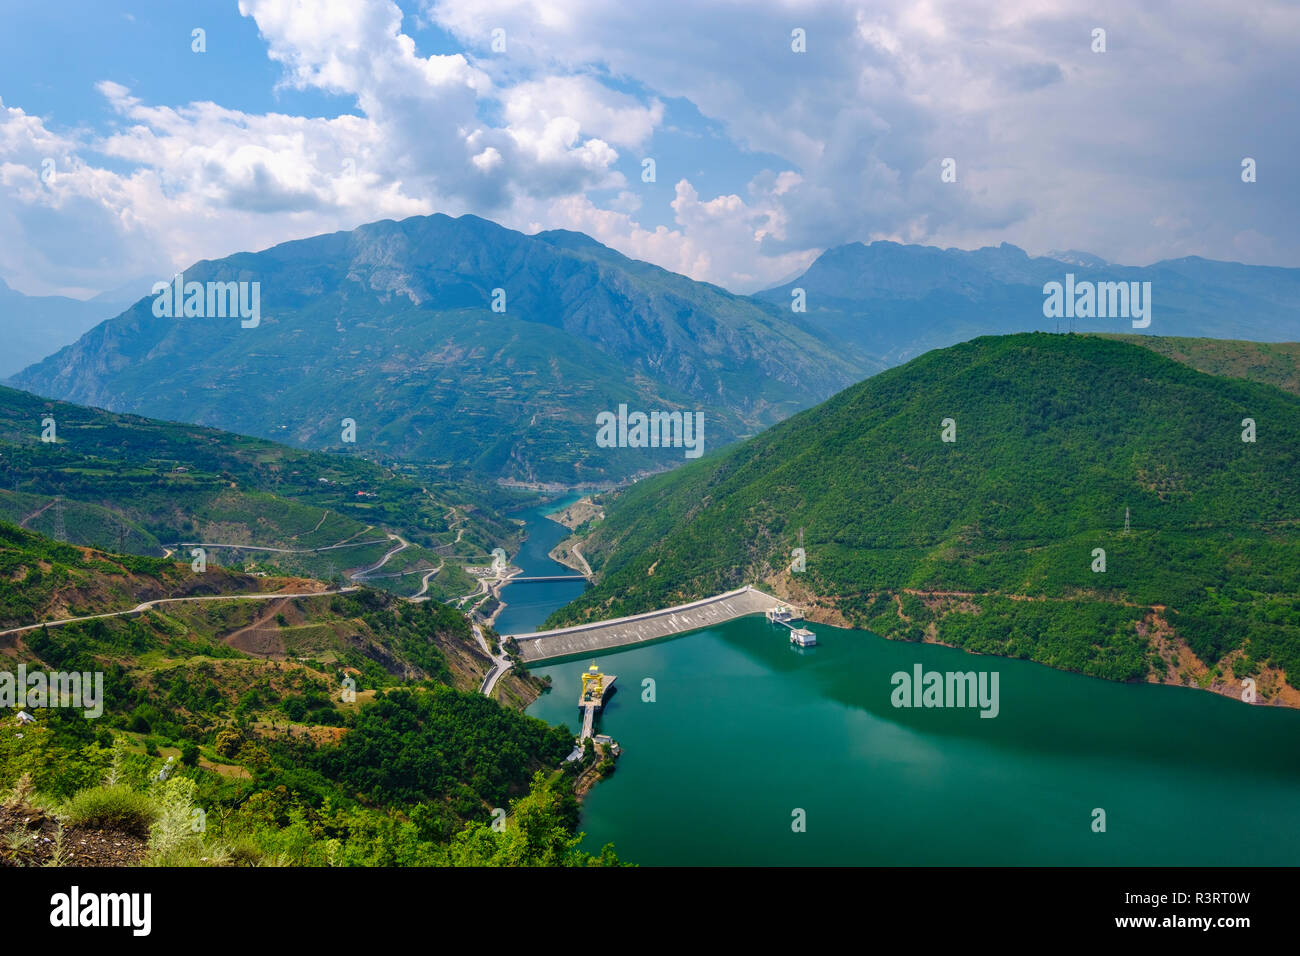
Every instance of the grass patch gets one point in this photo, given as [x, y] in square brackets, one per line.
[116, 807]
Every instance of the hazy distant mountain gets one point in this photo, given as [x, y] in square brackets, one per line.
[897, 301]
[392, 325]
[34, 326]
[1074, 257]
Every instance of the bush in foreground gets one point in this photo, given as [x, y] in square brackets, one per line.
[115, 807]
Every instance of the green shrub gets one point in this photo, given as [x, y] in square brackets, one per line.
[243, 852]
[111, 808]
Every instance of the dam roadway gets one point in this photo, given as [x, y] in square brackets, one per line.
[650, 626]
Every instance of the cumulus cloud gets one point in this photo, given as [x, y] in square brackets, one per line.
[206, 180]
[1133, 154]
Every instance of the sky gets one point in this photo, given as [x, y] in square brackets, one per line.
[138, 138]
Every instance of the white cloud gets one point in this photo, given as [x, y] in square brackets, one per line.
[1055, 145]
[1132, 154]
[614, 117]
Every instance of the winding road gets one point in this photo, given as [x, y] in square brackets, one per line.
[402, 545]
[253, 547]
[499, 664]
[141, 608]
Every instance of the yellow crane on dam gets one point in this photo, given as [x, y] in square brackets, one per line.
[595, 686]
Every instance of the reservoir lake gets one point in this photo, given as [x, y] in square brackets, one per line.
[745, 730]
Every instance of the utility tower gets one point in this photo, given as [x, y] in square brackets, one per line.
[60, 532]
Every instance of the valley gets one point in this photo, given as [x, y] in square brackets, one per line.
[339, 627]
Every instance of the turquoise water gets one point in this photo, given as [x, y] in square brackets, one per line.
[744, 730]
[529, 603]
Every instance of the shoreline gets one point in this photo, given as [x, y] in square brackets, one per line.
[1283, 695]
[572, 559]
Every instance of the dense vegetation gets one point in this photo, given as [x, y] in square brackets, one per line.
[287, 767]
[133, 484]
[413, 747]
[285, 814]
[1055, 437]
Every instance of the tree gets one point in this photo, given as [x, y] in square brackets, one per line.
[538, 833]
[229, 742]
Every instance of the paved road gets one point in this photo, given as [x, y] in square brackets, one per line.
[141, 608]
[499, 664]
[424, 584]
[253, 547]
[402, 545]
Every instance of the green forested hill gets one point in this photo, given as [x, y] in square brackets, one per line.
[133, 484]
[915, 537]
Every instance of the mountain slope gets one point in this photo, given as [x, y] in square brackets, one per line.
[897, 301]
[249, 694]
[135, 484]
[988, 542]
[392, 325]
[212, 614]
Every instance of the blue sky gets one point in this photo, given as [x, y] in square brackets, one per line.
[301, 118]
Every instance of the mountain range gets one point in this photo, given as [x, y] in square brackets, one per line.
[462, 343]
[393, 325]
[897, 301]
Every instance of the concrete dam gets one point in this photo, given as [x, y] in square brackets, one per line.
[650, 626]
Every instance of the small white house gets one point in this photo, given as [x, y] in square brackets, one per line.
[25, 718]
